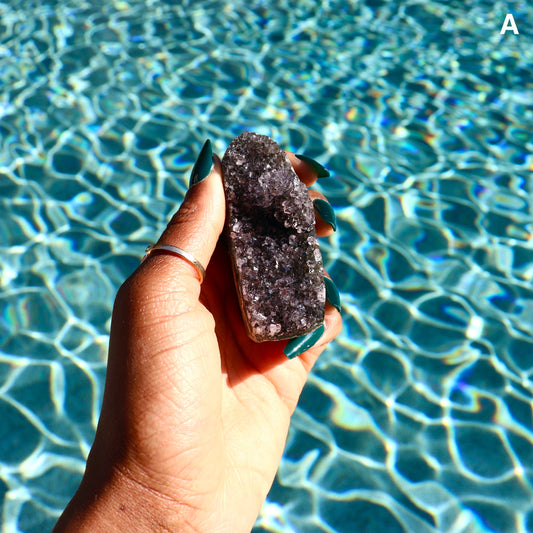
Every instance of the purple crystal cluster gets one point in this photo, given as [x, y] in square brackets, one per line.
[270, 227]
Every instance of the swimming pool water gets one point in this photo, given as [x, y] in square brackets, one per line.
[419, 417]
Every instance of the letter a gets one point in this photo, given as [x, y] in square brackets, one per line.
[509, 24]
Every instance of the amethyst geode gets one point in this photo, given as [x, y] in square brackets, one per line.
[270, 227]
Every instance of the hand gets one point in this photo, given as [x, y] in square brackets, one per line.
[195, 415]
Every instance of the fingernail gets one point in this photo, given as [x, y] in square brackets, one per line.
[324, 209]
[332, 294]
[203, 164]
[300, 344]
[321, 171]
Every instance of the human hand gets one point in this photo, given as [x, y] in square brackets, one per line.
[195, 414]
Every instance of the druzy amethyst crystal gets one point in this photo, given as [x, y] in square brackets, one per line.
[270, 227]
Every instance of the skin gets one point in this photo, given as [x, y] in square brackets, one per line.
[195, 415]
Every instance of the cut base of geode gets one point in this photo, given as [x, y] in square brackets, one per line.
[270, 227]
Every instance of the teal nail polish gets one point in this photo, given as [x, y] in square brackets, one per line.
[321, 171]
[203, 164]
[300, 344]
[324, 209]
[332, 294]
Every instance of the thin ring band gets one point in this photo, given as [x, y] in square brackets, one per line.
[179, 252]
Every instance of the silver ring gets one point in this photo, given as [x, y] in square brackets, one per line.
[179, 252]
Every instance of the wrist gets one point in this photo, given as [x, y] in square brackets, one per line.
[120, 504]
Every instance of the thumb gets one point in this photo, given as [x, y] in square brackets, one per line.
[196, 226]
[157, 308]
[155, 356]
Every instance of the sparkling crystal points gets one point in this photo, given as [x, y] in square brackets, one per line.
[270, 226]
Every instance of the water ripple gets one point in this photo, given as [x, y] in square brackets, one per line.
[418, 417]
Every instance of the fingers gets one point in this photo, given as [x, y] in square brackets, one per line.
[308, 169]
[332, 327]
[326, 222]
[309, 346]
[199, 221]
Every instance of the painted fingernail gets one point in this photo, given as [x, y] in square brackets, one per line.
[321, 172]
[203, 164]
[300, 344]
[324, 209]
[332, 294]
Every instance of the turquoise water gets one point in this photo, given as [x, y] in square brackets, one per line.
[419, 418]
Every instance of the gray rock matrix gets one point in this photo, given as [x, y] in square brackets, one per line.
[270, 227]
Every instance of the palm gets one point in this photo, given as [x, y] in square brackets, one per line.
[248, 365]
[258, 390]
